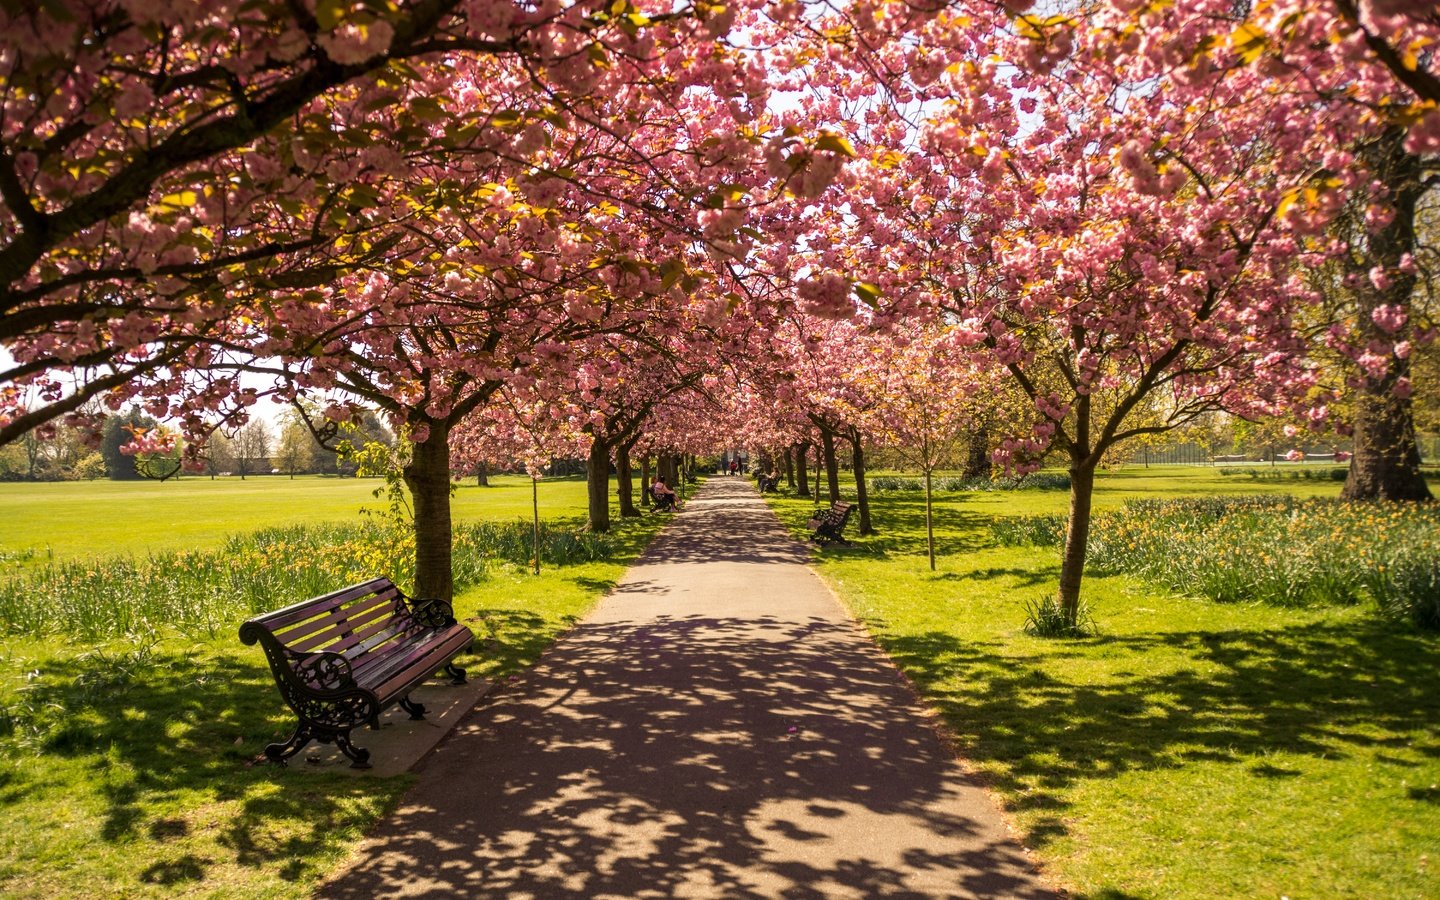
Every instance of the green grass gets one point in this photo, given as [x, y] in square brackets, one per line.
[125, 766]
[78, 519]
[1192, 749]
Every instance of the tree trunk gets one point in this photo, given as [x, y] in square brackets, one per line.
[597, 485]
[929, 523]
[802, 467]
[977, 458]
[645, 480]
[1386, 464]
[624, 483]
[832, 465]
[862, 494]
[482, 478]
[428, 477]
[1072, 565]
[790, 467]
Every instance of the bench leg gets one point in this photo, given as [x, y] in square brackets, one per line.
[278, 753]
[416, 710]
[457, 674]
[359, 756]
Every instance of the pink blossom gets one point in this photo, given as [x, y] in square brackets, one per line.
[1390, 317]
[351, 43]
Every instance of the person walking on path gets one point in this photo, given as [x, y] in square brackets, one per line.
[717, 726]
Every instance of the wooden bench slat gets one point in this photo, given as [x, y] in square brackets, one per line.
[424, 666]
[378, 670]
[304, 609]
[379, 673]
[386, 644]
[381, 609]
[327, 617]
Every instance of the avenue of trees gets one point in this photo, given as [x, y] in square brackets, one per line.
[632, 232]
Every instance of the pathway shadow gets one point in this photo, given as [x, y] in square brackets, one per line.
[694, 755]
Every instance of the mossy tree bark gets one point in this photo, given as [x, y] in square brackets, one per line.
[977, 455]
[1072, 563]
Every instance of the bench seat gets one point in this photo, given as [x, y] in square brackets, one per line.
[828, 527]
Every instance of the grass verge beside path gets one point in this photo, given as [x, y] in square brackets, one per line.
[125, 768]
[1192, 749]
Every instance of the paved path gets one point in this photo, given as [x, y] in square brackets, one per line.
[717, 727]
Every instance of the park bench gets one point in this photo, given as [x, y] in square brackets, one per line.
[767, 484]
[828, 527]
[663, 502]
[341, 659]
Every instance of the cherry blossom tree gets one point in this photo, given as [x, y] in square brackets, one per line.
[1113, 238]
[928, 388]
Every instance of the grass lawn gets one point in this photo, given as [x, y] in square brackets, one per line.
[125, 768]
[65, 520]
[1191, 750]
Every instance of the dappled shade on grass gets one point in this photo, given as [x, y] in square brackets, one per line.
[150, 748]
[1192, 749]
[126, 763]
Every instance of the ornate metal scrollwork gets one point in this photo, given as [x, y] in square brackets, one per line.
[433, 613]
[321, 671]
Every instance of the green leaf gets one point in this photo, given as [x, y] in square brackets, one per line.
[868, 293]
[179, 200]
[329, 14]
[671, 271]
[835, 143]
[1249, 41]
[507, 118]
[427, 108]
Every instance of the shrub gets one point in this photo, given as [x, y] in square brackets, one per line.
[884, 483]
[206, 591]
[1045, 617]
[1277, 550]
[1408, 590]
[1029, 531]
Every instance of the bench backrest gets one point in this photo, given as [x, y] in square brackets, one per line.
[352, 621]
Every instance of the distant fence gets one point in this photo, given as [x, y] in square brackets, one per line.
[1175, 455]
[1195, 455]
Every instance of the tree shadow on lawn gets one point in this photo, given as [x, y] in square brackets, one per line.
[162, 741]
[1020, 578]
[1310, 689]
[899, 520]
[509, 640]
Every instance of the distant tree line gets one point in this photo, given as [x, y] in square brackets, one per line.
[251, 449]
